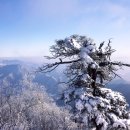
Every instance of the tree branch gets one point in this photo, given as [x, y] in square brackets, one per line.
[113, 63]
[120, 64]
[50, 67]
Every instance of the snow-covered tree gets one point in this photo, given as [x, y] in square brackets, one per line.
[30, 108]
[89, 69]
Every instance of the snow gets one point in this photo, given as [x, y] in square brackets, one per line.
[78, 91]
[129, 115]
[120, 124]
[119, 111]
[93, 66]
[67, 96]
[68, 43]
[72, 43]
[127, 121]
[85, 119]
[75, 43]
[85, 55]
[106, 110]
[89, 107]
[79, 105]
[113, 117]
[101, 121]
[83, 97]
[85, 77]
[93, 102]
[85, 50]
[91, 48]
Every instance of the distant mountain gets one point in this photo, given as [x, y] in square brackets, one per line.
[15, 71]
[7, 69]
[50, 83]
[119, 81]
[9, 62]
[121, 86]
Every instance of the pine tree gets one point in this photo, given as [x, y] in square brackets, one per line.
[89, 68]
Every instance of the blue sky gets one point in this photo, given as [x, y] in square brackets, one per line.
[29, 27]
